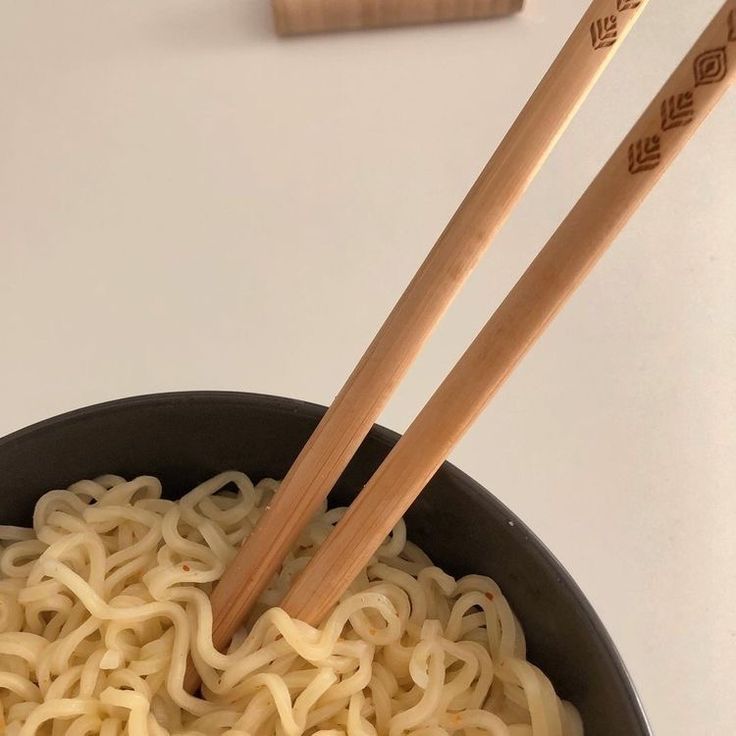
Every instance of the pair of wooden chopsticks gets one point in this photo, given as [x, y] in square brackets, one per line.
[652, 145]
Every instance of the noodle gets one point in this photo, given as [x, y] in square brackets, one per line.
[102, 602]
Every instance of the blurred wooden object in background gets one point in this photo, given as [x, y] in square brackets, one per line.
[315, 16]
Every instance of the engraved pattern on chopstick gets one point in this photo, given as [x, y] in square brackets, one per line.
[711, 66]
[604, 32]
[679, 110]
[645, 154]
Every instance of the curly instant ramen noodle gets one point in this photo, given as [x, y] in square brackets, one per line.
[104, 600]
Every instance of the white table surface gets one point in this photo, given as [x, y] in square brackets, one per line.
[187, 202]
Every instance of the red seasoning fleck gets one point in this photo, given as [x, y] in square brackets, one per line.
[186, 568]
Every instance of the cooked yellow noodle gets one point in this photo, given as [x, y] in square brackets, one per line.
[104, 599]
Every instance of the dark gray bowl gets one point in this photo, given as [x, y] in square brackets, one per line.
[185, 437]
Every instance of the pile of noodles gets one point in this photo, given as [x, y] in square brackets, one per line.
[104, 599]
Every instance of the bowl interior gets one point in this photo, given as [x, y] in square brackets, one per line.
[185, 438]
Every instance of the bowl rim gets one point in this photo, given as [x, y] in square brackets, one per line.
[388, 437]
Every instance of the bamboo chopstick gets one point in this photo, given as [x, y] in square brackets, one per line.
[655, 141]
[317, 16]
[480, 216]
[485, 209]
